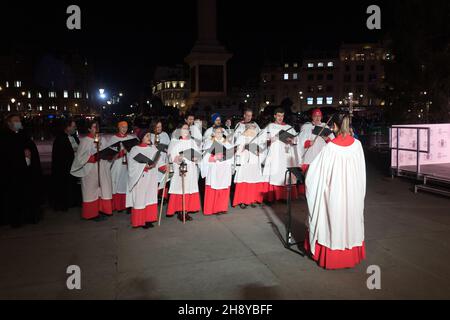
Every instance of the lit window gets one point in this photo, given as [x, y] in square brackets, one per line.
[295, 65]
[310, 65]
[309, 101]
[17, 84]
[329, 100]
[286, 65]
[330, 64]
[174, 84]
[295, 76]
[319, 100]
[39, 95]
[320, 64]
[181, 84]
[286, 76]
[7, 84]
[52, 94]
[77, 95]
[66, 94]
[87, 95]
[159, 86]
[29, 95]
[40, 108]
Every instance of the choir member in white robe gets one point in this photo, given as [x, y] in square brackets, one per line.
[335, 191]
[119, 168]
[209, 133]
[97, 195]
[280, 156]
[249, 181]
[217, 170]
[142, 195]
[241, 125]
[159, 137]
[191, 192]
[194, 129]
[309, 145]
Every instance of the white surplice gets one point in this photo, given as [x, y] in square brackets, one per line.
[195, 132]
[218, 173]
[191, 178]
[335, 191]
[163, 160]
[207, 137]
[88, 172]
[307, 155]
[119, 170]
[280, 156]
[142, 185]
[249, 168]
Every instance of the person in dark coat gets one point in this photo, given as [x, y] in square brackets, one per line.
[21, 184]
[66, 190]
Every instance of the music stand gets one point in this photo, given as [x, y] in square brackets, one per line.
[288, 177]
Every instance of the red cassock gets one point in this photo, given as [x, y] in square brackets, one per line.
[336, 205]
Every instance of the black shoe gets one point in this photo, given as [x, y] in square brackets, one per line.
[99, 218]
[224, 212]
[188, 217]
[243, 206]
[253, 205]
[180, 216]
[148, 225]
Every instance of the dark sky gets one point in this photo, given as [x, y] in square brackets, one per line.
[127, 39]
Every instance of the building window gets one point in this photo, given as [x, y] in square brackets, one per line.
[286, 76]
[320, 77]
[310, 65]
[52, 94]
[295, 65]
[330, 64]
[329, 88]
[286, 65]
[319, 100]
[360, 68]
[330, 77]
[372, 77]
[360, 77]
[174, 84]
[310, 77]
[329, 100]
[310, 89]
[7, 84]
[347, 68]
[320, 64]
[29, 95]
[39, 95]
[347, 78]
[87, 95]
[310, 101]
[77, 95]
[17, 84]
[181, 84]
[319, 88]
[66, 94]
[295, 76]
[159, 86]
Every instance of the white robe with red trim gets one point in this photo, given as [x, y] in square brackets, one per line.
[191, 177]
[335, 191]
[280, 156]
[119, 169]
[142, 186]
[249, 166]
[88, 172]
[218, 173]
[307, 155]
[164, 159]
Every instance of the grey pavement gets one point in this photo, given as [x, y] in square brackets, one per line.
[234, 256]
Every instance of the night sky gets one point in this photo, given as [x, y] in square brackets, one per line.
[127, 39]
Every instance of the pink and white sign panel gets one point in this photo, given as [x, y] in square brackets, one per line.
[439, 144]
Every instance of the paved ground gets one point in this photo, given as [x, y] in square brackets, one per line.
[236, 256]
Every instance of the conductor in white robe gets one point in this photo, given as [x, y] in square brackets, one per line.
[335, 192]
